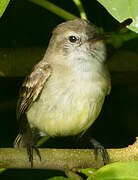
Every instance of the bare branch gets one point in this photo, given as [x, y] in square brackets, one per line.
[61, 159]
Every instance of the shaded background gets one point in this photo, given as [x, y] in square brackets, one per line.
[25, 24]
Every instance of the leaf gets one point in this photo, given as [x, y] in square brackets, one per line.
[2, 169]
[88, 171]
[59, 178]
[123, 9]
[117, 171]
[3, 5]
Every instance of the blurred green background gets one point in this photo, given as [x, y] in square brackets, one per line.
[25, 24]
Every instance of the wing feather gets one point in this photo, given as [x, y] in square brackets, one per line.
[32, 87]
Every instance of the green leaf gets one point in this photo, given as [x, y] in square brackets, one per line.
[3, 5]
[2, 169]
[88, 171]
[117, 171]
[123, 9]
[59, 178]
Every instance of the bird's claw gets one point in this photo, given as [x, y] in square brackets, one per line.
[30, 148]
[103, 151]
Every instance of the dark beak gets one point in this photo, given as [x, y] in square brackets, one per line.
[99, 38]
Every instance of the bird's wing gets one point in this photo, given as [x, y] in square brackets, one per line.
[32, 87]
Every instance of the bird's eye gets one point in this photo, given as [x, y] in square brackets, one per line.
[72, 39]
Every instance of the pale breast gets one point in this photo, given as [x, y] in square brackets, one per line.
[67, 106]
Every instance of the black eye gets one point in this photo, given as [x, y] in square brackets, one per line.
[72, 39]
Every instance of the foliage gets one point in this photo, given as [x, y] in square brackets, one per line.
[3, 5]
[117, 171]
[113, 171]
[1, 170]
[122, 10]
[59, 178]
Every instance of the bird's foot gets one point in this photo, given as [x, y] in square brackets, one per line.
[30, 148]
[103, 151]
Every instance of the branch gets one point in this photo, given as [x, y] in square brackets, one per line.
[54, 9]
[61, 159]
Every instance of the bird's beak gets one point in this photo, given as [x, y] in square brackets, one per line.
[98, 38]
[92, 41]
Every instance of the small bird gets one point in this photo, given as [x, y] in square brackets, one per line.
[64, 93]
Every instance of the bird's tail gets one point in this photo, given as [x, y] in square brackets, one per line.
[19, 141]
[26, 137]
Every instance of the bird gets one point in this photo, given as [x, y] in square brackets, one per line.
[65, 91]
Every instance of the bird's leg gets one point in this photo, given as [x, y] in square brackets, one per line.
[30, 148]
[30, 145]
[103, 151]
[30, 153]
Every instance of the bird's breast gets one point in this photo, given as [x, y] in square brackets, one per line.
[67, 105]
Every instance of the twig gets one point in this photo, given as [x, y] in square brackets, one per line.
[80, 7]
[54, 9]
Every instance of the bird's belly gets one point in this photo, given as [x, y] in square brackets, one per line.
[67, 112]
